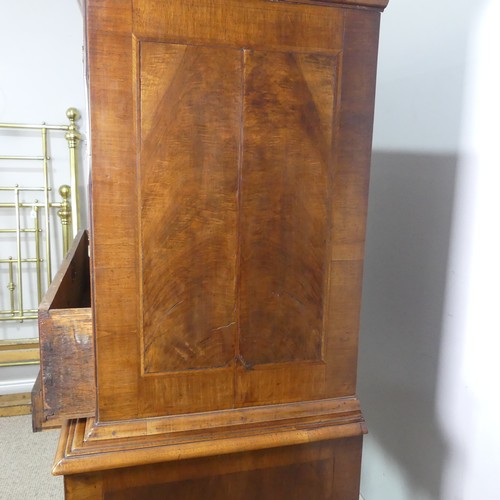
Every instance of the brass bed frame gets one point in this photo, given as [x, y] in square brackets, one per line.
[25, 351]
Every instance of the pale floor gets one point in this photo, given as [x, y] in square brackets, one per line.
[26, 460]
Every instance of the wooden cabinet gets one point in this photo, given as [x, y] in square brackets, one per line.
[231, 145]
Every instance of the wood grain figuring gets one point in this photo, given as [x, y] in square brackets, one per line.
[190, 109]
[272, 218]
[188, 216]
[293, 481]
[321, 471]
[252, 24]
[285, 197]
[115, 239]
[353, 118]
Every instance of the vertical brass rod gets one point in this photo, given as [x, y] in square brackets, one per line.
[48, 256]
[75, 216]
[73, 137]
[65, 215]
[19, 256]
[37, 253]
[11, 286]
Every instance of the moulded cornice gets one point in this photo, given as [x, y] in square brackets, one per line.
[373, 4]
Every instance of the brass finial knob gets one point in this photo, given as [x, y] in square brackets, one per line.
[73, 114]
[64, 191]
[73, 136]
[65, 211]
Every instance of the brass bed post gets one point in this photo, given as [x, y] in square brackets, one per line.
[73, 137]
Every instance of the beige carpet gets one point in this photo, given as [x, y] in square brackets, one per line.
[26, 460]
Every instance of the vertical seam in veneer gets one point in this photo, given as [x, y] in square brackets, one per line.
[137, 49]
[238, 226]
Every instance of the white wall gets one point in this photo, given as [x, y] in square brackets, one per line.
[429, 343]
[41, 75]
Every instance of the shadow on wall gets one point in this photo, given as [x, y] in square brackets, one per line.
[409, 226]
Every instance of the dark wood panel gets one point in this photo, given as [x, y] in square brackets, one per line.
[323, 471]
[67, 378]
[67, 358]
[190, 128]
[352, 127]
[71, 284]
[288, 117]
[37, 404]
[293, 482]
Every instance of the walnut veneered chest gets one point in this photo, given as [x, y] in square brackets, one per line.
[231, 144]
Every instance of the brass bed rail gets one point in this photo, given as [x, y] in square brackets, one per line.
[40, 207]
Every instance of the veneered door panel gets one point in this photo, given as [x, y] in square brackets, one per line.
[190, 128]
[287, 164]
[190, 107]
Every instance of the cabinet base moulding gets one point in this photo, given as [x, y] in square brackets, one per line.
[89, 446]
[283, 451]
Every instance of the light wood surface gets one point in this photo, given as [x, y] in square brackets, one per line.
[15, 404]
[90, 446]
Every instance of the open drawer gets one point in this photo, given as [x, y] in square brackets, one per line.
[65, 387]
